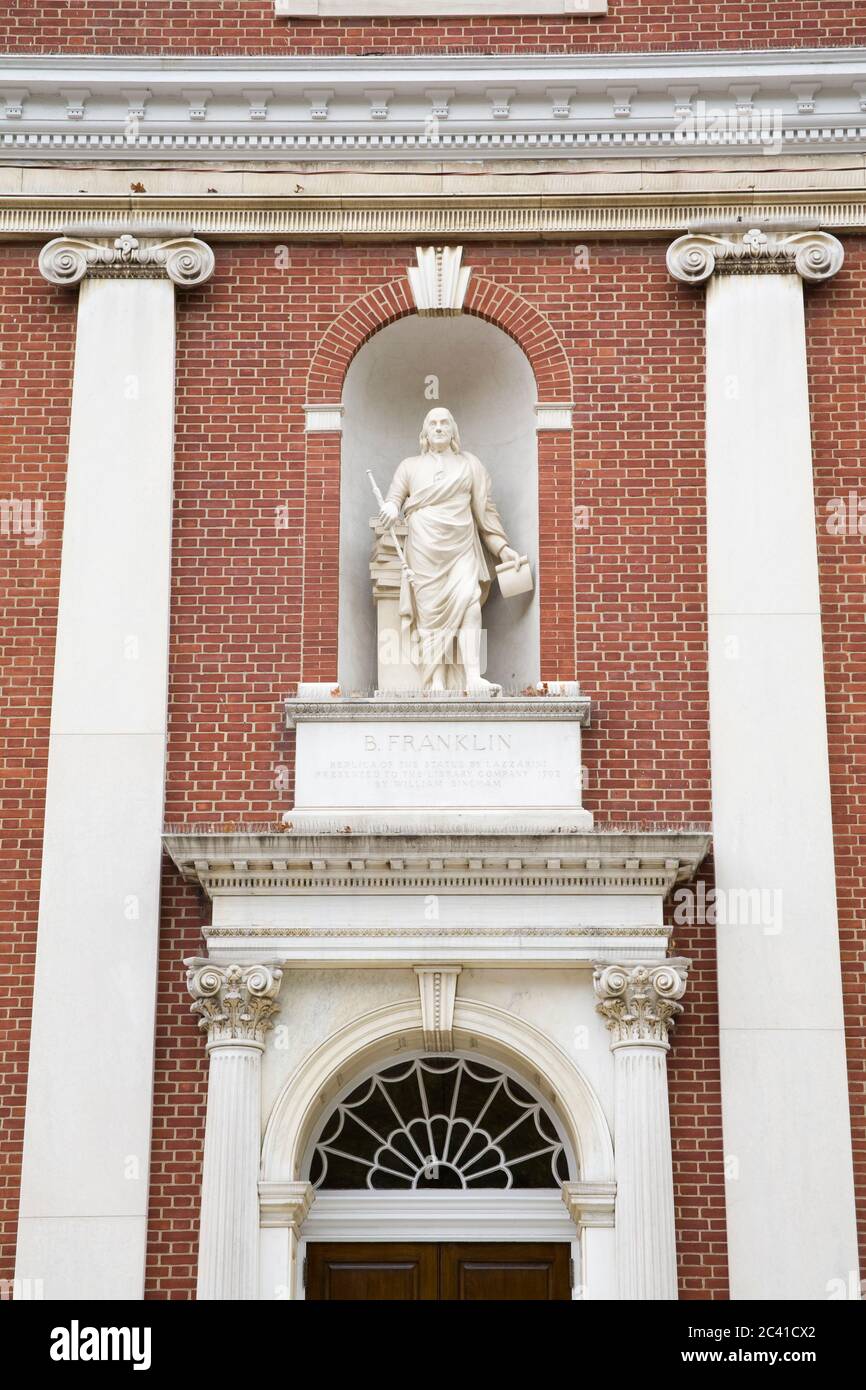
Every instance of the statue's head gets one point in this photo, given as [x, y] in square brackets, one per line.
[439, 430]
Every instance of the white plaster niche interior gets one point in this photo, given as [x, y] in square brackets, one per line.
[476, 371]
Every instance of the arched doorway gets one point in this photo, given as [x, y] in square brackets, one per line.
[376, 1142]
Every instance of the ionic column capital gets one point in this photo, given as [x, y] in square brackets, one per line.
[812, 255]
[639, 1003]
[185, 261]
[236, 1002]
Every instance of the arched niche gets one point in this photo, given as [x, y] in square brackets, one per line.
[484, 378]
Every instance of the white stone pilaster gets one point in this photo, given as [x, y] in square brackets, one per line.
[639, 1005]
[236, 1005]
[785, 1105]
[84, 1188]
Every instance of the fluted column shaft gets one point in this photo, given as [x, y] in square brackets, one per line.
[84, 1205]
[236, 1004]
[639, 1004]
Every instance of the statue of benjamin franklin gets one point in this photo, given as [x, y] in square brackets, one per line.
[445, 496]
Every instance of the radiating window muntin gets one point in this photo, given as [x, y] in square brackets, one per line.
[439, 1123]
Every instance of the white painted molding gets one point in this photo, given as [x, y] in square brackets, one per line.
[553, 417]
[406, 217]
[323, 419]
[409, 9]
[437, 985]
[259, 109]
[465, 1216]
[185, 261]
[417, 706]
[812, 255]
[649, 862]
[439, 281]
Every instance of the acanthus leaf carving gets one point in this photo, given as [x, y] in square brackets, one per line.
[640, 1003]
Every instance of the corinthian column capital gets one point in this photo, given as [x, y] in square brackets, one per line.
[812, 255]
[639, 1003]
[236, 1002]
[184, 260]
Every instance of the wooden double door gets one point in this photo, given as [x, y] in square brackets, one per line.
[424, 1271]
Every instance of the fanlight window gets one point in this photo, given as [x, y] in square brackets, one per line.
[436, 1123]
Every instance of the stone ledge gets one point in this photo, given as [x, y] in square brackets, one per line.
[385, 708]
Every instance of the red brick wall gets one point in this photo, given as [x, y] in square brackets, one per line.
[37, 331]
[238, 26]
[634, 340]
[634, 343]
[835, 314]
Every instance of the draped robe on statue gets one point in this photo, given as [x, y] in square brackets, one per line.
[448, 509]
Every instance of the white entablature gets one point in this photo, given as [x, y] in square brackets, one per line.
[423, 107]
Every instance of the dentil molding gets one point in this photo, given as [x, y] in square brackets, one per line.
[604, 861]
[813, 255]
[427, 107]
[184, 260]
[398, 217]
[639, 1003]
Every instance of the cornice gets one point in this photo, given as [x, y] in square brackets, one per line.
[406, 218]
[234, 864]
[429, 108]
[427, 709]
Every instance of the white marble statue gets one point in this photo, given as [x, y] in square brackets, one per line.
[445, 497]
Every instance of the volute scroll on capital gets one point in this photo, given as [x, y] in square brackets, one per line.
[640, 1003]
[185, 261]
[812, 255]
[236, 1003]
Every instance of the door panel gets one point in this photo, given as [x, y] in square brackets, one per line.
[372, 1272]
[525, 1273]
[419, 1271]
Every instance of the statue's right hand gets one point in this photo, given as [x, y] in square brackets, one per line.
[388, 515]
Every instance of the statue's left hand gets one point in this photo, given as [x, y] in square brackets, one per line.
[506, 554]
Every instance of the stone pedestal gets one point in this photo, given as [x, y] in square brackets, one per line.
[433, 764]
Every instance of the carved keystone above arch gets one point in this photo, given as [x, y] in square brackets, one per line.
[496, 303]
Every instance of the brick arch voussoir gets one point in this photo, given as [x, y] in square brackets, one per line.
[494, 303]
